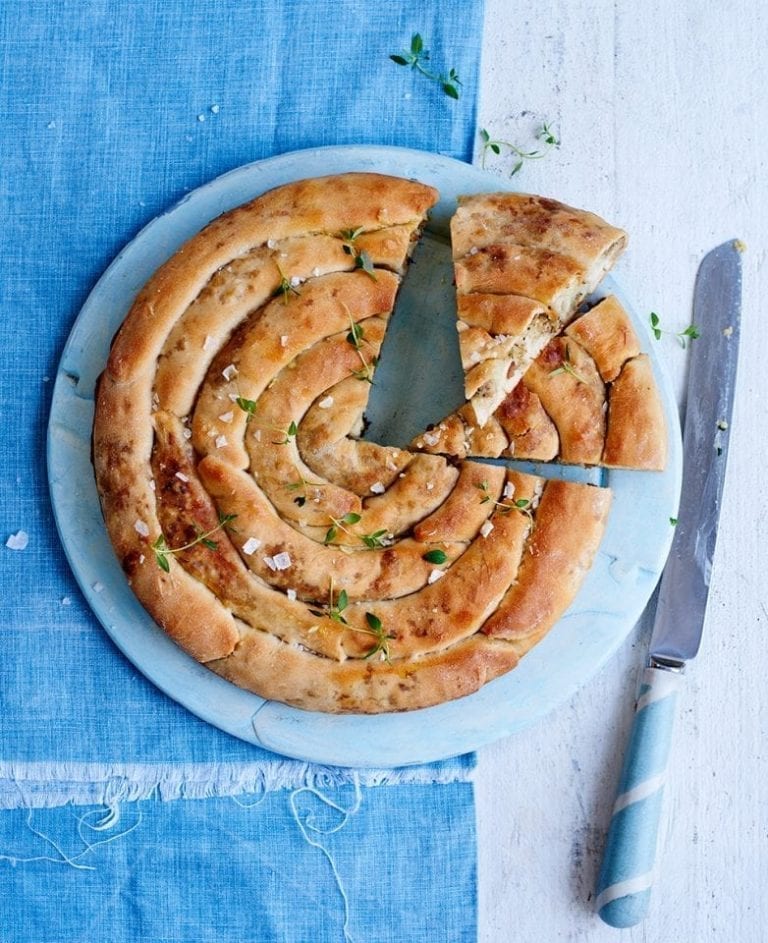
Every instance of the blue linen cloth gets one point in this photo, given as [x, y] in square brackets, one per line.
[112, 111]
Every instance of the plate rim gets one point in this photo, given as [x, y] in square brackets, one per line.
[352, 740]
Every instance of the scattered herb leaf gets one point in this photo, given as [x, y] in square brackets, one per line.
[375, 540]
[435, 556]
[248, 406]
[364, 261]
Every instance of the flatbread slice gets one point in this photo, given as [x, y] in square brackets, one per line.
[523, 264]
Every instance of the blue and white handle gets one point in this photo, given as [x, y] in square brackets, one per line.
[626, 876]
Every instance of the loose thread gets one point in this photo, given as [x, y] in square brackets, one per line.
[249, 805]
[309, 824]
[108, 820]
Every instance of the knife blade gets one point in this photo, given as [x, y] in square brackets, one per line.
[627, 872]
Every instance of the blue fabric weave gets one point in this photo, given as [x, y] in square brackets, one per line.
[111, 112]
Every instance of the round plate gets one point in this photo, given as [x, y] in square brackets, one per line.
[611, 600]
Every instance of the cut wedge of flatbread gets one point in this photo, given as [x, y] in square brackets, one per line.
[252, 522]
[523, 264]
[589, 398]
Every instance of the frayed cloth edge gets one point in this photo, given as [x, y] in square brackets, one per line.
[45, 785]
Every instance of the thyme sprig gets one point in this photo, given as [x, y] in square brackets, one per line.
[690, 333]
[417, 56]
[362, 258]
[356, 338]
[333, 610]
[162, 551]
[567, 367]
[286, 288]
[373, 541]
[249, 407]
[301, 485]
[379, 538]
[523, 505]
[289, 433]
[380, 634]
[545, 134]
[338, 524]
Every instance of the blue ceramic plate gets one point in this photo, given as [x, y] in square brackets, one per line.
[611, 600]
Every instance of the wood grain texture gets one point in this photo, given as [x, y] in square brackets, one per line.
[662, 117]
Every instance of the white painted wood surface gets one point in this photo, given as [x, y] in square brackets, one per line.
[663, 115]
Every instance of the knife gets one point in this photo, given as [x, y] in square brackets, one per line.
[625, 879]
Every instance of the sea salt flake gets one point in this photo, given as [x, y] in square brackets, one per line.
[326, 403]
[430, 486]
[316, 272]
[271, 243]
[18, 541]
[214, 109]
[296, 280]
[283, 340]
[282, 560]
[486, 528]
[435, 575]
[270, 563]
[201, 118]
[509, 490]
[66, 601]
[227, 417]
[430, 438]
[251, 546]
[221, 441]
[181, 476]
[291, 594]
[377, 488]
[141, 528]
[98, 587]
[187, 433]
[229, 372]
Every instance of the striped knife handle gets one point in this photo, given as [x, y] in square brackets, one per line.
[626, 876]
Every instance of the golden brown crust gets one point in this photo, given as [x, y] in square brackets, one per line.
[291, 675]
[529, 220]
[569, 387]
[607, 335]
[531, 433]
[637, 435]
[570, 521]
